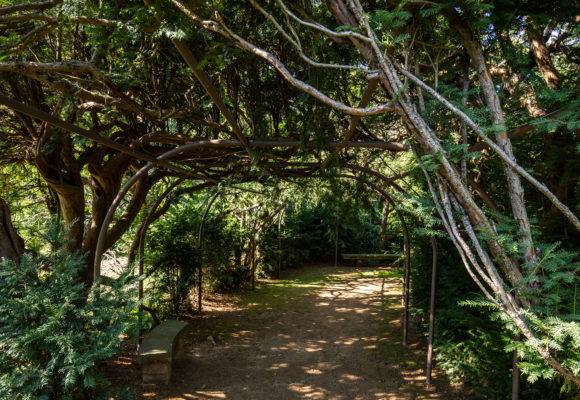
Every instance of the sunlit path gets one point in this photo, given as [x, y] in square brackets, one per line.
[322, 333]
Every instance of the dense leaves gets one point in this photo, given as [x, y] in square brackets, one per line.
[115, 68]
[53, 331]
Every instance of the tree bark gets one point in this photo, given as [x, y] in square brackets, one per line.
[11, 244]
[105, 183]
[474, 48]
[57, 165]
[541, 56]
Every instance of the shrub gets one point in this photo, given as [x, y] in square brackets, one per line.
[53, 330]
[473, 341]
[174, 256]
[308, 235]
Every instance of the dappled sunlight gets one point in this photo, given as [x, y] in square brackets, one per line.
[281, 335]
[210, 395]
[334, 339]
[347, 342]
[277, 367]
[241, 333]
[312, 371]
[349, 378]
[308, 391]
[312, 348]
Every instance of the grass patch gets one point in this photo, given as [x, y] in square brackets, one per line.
[390, 273]
[290, 294]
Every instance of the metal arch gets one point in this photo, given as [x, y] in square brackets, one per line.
[432, 312]
[123, 192]
[279, 258]
[406, 249]
[142, 235]
[199, 239]
[433, 272]
[209, 143]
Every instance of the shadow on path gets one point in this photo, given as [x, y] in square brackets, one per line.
[320, 333]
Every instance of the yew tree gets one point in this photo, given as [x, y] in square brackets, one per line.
[452, 83]
[439, 68]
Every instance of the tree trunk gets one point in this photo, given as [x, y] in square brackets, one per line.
[104, 188]
[516, 191]
[383, 230]
[58, 167]
[541, 56]
[11, 245]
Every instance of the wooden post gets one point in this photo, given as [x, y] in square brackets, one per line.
[432, 311]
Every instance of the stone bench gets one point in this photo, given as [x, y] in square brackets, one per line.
[358, 259]
[159, 349]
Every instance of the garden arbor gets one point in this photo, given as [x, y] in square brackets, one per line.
[274, 101]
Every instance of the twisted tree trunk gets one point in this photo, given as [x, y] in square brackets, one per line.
[474, 48]
[541, 56]
[11, 245]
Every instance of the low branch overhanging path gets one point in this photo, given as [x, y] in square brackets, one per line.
[320, 333]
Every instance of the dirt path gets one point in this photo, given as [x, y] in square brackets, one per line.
[322, 333]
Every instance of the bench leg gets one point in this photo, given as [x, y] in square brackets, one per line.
[179, 348]
[157, 372]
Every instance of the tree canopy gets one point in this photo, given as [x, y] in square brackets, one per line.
[275, 91]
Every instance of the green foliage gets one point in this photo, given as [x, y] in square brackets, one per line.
[468, 346]
[144, 87]
[174, 258]
[385, 21]
[436, 9]
[462, 326]
[308, 234]
[53, 330]
[174, 255]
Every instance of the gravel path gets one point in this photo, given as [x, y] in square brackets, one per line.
[333, 335]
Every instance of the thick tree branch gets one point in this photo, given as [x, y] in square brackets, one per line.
[276, 63]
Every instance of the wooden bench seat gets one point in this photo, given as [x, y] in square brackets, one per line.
[358, 259]
[159, 349]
